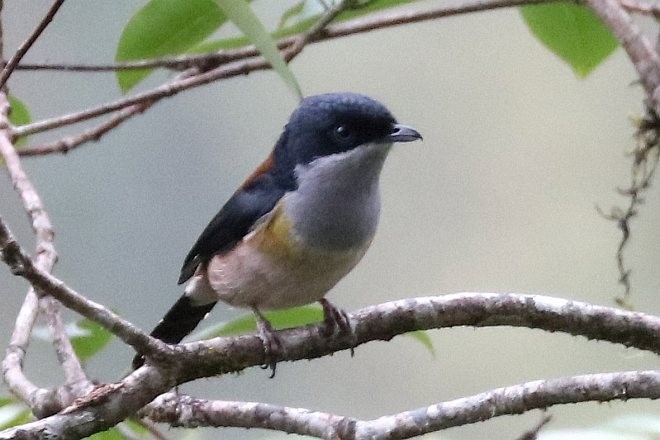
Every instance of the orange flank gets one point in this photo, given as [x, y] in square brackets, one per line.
[261, 169]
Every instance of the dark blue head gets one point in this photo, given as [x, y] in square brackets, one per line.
[334, 123]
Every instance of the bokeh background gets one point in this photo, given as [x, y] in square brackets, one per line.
[499, 197]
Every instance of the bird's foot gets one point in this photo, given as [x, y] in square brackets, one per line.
[271, 342]
[335, 318]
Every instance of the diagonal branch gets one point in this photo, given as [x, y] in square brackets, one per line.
[22, 50]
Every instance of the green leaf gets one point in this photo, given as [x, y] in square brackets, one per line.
[19, 116]
[240, 13]
[280, 319]
[88, 338]
[423, 338]
[13, 414]
[572, 32]
[164, 27]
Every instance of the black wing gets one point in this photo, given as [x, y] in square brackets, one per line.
[233, 222]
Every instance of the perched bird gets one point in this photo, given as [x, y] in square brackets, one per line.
[299, 223]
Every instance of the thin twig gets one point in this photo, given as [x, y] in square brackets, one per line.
[22, 50]
[314, 32]
[533, 434]
[179, 62]
[69, 143]
[76, 381]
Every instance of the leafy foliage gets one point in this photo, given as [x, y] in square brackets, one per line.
[572, 32]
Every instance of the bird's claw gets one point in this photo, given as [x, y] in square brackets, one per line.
[271, 343]
[335, 318]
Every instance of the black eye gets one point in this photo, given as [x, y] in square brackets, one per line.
[343, 133]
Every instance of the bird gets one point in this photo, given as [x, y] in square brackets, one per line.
[297, 225]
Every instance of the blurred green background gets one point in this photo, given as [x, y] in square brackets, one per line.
[499, 197]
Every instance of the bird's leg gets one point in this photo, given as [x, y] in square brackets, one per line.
[336, 318]
[271, 342]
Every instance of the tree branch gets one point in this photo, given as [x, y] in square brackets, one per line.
[22, 50]
[383, 322]
[189, 412]
[112, 403]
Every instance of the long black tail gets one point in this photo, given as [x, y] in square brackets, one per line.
[178, 322]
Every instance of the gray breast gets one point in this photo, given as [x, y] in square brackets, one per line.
[337, 204]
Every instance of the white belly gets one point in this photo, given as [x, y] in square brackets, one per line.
[253, 279]
[249, 277]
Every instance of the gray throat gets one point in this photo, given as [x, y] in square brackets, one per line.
[337, 203]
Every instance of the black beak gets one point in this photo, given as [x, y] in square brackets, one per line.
[403, 133]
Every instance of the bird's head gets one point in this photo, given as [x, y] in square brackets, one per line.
[334, 124]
